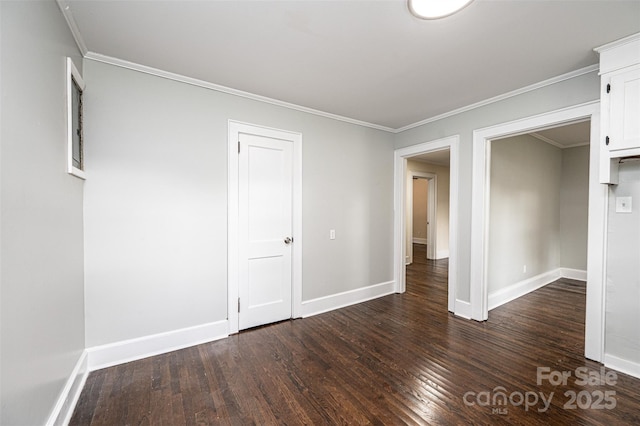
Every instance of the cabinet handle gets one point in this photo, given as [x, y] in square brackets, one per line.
[606, 141]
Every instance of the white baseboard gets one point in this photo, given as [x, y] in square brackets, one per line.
[442, 254]
[63, 410]
[417, 240]
[521, 288]
[573, 274]
[462, 309]
[631, 368]
[516, 290]
[347, 298]
[143, 347]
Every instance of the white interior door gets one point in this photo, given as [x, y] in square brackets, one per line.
[265, 188]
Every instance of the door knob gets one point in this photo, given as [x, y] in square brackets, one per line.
[288, 240]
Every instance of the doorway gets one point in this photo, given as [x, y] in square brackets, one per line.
[538, 198]
[403, 184]
[598, 199]
[422, 207]
[265, 231]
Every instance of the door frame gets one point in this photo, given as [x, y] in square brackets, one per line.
[432, 209]
[400, 190]
[235, 128]
[597, 223]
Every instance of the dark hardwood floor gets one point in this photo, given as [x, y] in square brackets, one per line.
[400, 359]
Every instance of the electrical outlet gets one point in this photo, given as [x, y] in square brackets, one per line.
[524, 269]
[332, 234]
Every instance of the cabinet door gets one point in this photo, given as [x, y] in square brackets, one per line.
[624, 118]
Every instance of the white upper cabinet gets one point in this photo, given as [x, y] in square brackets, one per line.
[624, 111]
[620, 104]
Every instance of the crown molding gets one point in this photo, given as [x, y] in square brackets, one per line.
[547, 140]
[68, 15]
[617, 43]
[556, 144]
[219, 88]
[575, 145]
[65, 8]
[517, 92]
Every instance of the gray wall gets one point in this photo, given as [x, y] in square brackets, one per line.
[42, 308]
[524, 217]
[567, 93]
[574, 208]
[538, 209]
[622, 334]
[156, 202]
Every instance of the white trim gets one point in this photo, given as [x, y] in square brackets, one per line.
[399, 233]
[233, 226]
[463, 309]
[517, 92]
[547, 140]
[65, 8]
[617, 43]
[432, 217]
[619, 54]
[594, 329]
[625, 366]
[432, 210]
[576, 145]
[521, 288]
[454, 182]
[556, 144]
[596, 248]
[146, 346]
[66, 403]
[346, 298]
[442, 254]
[234, 129]
[417, 240]
[219, 88]
[573, 274]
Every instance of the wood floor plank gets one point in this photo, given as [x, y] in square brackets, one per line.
[400, 359]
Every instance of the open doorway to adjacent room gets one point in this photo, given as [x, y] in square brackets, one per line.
[538, 211]
[427, 225]
[446, 151]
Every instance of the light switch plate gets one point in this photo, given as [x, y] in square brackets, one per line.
[623, 204]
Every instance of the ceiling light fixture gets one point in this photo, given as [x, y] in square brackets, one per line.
[435, 9]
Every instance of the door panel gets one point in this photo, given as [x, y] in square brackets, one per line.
[625, 106]
[265, 220]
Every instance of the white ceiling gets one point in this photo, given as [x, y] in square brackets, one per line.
[367, 60]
